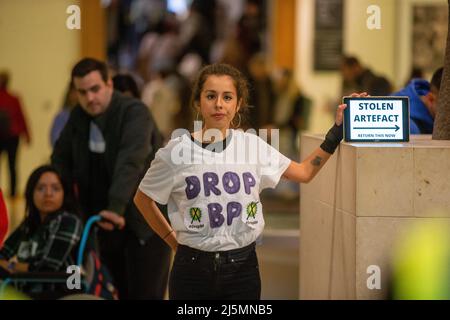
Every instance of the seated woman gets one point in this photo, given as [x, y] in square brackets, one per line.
[47, 239]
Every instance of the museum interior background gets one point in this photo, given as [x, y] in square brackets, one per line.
[306, 37]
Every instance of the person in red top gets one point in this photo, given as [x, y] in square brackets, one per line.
[12, 126]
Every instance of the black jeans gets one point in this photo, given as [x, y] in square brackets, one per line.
[140, 269]
[200, 275]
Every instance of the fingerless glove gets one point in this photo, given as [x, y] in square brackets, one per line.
[333, 139]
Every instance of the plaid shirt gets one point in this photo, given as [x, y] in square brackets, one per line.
[52, 247]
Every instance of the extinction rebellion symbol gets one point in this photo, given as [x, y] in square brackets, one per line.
[252, 210]
[196, 214]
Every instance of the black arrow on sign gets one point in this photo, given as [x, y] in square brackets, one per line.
[375, 128]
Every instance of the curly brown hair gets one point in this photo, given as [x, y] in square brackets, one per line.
[221, 69]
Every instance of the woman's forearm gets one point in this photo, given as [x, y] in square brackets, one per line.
[305, 171]
[21, 267]
[4, 264]
[155, 219]
[13, 266]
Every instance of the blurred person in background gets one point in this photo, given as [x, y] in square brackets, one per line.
[358, 78]
[198, 30]
[290, 116]
[247, 38]
[262, 95]
[12, 126]
[250, 28]
[162, 99]
[159, 45]
[70, 101]
[128, 21]
[416, 72]
[292, 108]
[423, 99]
[125, 84]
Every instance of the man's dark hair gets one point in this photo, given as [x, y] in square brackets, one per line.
[87, 65]
[436, 78]
[4, 79]
[350, 61]
[416, 72]
[125, 82]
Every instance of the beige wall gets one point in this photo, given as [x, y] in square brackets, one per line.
[375, 48]
[39, 51]
[322, 87]
[386, 51]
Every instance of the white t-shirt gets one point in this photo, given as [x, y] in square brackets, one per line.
[213, 197]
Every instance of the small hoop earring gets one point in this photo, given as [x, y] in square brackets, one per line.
[239, 122]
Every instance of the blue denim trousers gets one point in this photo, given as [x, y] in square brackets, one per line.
[221, 275]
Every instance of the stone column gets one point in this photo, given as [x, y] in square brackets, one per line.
[441, 130]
